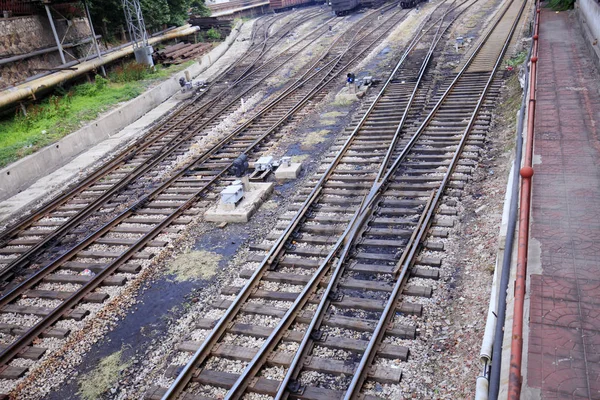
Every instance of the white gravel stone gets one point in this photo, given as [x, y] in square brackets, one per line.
[19, 319]
[225, 365]
[245, 341]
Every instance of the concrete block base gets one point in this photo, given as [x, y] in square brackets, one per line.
[284, 172]
[253, 199]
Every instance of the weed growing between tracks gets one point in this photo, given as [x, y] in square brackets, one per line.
[66, 111]
[314, 137]
[517, 60]
[195, 265]
[96, 382]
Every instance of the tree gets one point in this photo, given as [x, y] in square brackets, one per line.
[198, 7]
[156, 13]
[109, 19]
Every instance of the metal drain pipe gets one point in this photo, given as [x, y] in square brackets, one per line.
[488, 383]
[515, 379]
[493, 336]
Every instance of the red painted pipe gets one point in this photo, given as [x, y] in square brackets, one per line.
[516, 349]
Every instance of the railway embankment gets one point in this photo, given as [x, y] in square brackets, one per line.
[27, 180]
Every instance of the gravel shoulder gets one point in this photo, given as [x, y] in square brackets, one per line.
[451, 352]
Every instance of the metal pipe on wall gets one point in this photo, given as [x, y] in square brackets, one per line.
[71, 63]
[40, 52]
[498, 338]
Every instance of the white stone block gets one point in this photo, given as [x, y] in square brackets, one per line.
[285, 172]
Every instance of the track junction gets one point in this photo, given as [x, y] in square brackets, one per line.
[331, 294]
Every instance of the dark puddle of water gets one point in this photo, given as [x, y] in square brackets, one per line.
[149, 320]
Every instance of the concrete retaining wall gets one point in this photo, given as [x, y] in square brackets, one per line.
[588, 12]
[20, 174]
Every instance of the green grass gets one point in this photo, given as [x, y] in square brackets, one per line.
[507, 111]
[561, 5]
[517, 59]
[65, 112]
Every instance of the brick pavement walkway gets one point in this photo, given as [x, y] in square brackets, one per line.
[564, 338]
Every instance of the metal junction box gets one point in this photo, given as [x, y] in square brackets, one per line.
[233, 193]
[264, 163]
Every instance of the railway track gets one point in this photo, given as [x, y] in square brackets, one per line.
[130, 174]
[322, 314]
[113, 253]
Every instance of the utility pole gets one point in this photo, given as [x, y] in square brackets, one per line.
[137, 32]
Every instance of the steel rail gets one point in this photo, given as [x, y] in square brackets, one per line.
[128, 153]
[25, 258]
[346, 238]
[381, 186]
[252, 368]
[375, 340]
[302, 19]
[272, 59]
[183, 378]
[105, 168]
[396, 137]
[5, 299]
[269, 258]
[350, 235]
[14, 348]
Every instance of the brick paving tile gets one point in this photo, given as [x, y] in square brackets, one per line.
[564, 320]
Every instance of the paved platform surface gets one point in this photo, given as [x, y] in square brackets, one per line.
[564, 336]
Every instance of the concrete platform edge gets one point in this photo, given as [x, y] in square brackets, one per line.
[24, 172]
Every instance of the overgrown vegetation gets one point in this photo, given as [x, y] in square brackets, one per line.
[198, 264]
[517, 59]
[67, 110]
[130, 72]
[93, 384]
[213, 34]
[511, 103]
[561, 5]
[199, 8]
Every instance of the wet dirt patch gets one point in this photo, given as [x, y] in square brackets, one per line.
[332, 114]
[196, 264]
